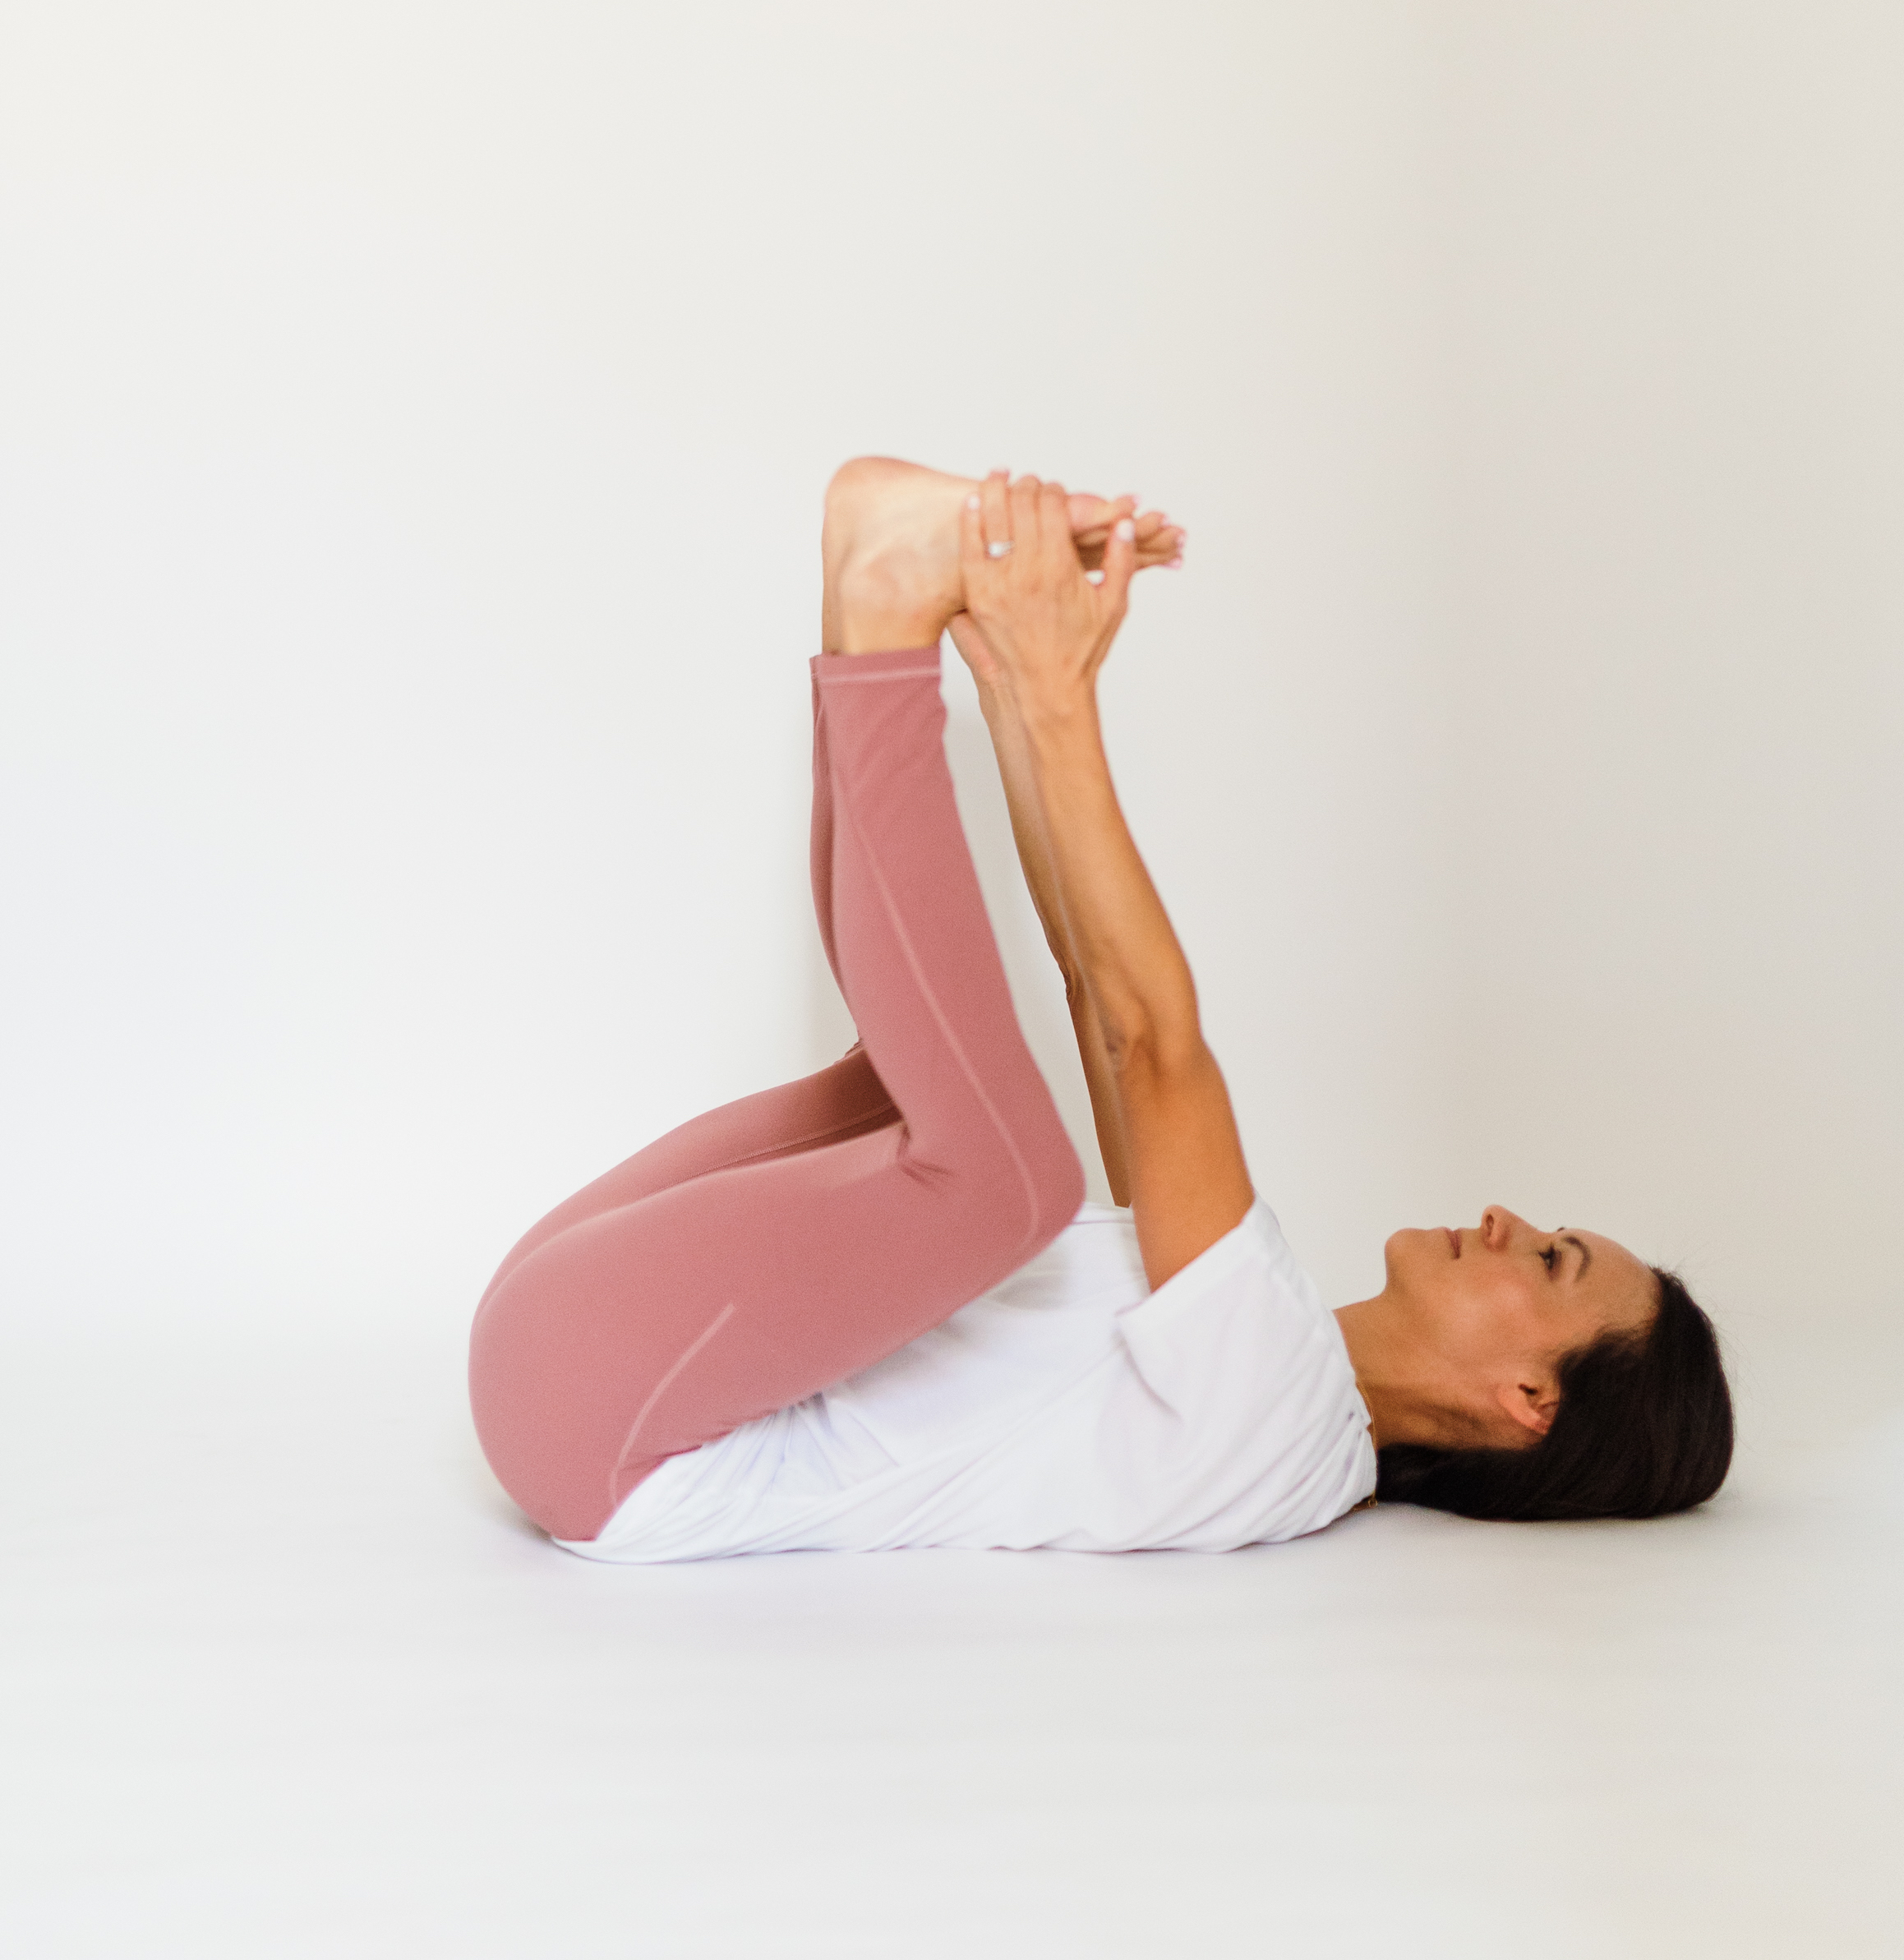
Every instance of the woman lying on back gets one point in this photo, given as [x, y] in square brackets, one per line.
[868, 1310]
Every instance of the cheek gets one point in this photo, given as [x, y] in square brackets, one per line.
[1503, 1311]
[1484, 1313]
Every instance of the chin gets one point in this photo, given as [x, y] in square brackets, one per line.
[1410, 1250]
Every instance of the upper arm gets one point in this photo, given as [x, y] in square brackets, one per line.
[1189, 1183]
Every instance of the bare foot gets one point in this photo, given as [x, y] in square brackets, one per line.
[890, 550]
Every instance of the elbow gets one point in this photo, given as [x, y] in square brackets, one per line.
[1145, 1030]
[1142, 1048]
[1126, 1037]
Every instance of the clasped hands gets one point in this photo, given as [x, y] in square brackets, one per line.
[1041, 615]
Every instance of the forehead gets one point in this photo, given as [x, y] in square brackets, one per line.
[1621, 1281]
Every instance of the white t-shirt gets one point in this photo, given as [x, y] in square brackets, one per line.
[1068, 1407]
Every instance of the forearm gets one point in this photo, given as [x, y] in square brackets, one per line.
[1010, 746]
[1120, 939]
[1014, 759]
[1107, 1102]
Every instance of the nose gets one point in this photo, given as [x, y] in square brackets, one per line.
[1499, 1226]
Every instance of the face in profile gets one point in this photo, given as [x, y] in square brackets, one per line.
[1494, 1309]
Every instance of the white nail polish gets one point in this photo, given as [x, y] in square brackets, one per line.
[1093, 578]
[1126, 528]
[972, 501]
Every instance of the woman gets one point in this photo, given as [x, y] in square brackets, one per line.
[868, 1309]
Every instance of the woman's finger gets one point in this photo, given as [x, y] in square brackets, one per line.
[972, 559]
[995, 500]
[1091, 517]
[1157, 544]
[1023, 531]
[1120, 562]
[1054, 522]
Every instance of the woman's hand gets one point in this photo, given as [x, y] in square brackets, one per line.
[1044, 623]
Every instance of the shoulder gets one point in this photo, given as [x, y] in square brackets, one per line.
[1243, 1316]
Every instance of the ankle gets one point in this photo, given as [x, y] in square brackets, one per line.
[880, 601]
[886, 629]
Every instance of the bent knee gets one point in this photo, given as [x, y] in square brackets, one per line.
[1044, 1173]
[1058, 1180]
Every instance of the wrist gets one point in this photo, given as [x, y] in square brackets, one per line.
[1054, 712]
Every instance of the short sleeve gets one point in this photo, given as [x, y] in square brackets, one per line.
[1240, 1348]
[1242, 1312]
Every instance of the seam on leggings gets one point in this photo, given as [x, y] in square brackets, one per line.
[661, 1388]
[952, 1042]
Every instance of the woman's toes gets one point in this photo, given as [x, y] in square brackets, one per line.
[1093, 516]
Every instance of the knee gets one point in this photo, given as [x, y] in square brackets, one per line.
[1052, 1179]
[1041, 1164]
[1059, 1181]
[1011, 1195]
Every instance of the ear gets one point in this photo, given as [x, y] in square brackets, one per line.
[1531, 1404]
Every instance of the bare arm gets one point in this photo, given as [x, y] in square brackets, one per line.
[1010, 744]
[1049, 631]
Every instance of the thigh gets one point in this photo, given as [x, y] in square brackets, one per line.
[841, 1100]
[647, 1328]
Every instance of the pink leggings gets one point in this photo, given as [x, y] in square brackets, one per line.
[767, 1249]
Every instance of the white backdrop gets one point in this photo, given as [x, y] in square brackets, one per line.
[414, 423]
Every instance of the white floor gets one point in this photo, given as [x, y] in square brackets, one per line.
[285, 1676]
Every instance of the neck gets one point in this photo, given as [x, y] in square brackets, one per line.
[1401, 1408]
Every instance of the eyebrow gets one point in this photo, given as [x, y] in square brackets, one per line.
[1574, 1238]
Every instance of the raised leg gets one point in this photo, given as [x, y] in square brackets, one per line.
[747, 1260]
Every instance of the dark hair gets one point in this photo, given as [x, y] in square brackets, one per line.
[1644, 1427]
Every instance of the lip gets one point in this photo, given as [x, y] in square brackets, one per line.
[1454, 1239]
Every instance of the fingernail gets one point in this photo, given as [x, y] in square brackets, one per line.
[1093, 578]
[1126, 528]
[1176, 564]
[972, 501]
